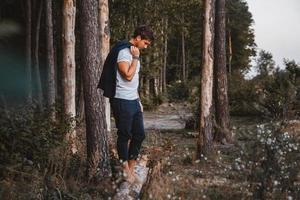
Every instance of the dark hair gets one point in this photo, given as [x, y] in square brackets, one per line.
[145, 32]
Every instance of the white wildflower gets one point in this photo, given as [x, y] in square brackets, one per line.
[295, 147]
[290, 198]
[269, 141]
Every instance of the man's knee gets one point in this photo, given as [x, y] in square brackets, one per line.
[140, 137]
[124, 136]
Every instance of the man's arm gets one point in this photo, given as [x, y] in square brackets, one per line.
[126, 69]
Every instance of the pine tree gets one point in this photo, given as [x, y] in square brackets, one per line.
[96, 134]
[205, 139]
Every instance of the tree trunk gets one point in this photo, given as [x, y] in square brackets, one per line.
[69, 67]
[205, 139]
[96, 134]
[161, 74]
[222, 112]
[28, 52]
[104, 47]
[36, 56]
[165, 57]
[183, 56]
[155, 86]
[147, 87]
[80, 108]
[187, 64]
[230, 51]
[51, 89]
[147, 84]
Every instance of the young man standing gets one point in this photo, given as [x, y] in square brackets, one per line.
[120, 81]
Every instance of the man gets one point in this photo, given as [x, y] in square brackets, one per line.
[119, 81]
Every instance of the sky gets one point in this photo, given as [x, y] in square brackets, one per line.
[277, 28]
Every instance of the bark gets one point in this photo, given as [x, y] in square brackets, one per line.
[132, 191]
[183, 56]
[51, 89]
[230, 52]
[96, 134]
[80, 110]
[165, 57]
[155, 86]
[104, 47]
[147, 87]
[69, 67]
[28, 52]
[222, 112]
[156, 76]
[36, 56]
[205, 139]
[161, 74]
[141, 85]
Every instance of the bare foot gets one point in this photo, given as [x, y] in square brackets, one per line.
[129, 177]
[137, 179]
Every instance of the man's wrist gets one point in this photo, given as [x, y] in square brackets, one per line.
[136, 57]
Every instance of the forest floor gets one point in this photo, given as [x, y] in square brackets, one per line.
[175, 172]
[180, 174]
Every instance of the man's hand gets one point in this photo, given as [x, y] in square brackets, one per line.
[135, 51]
[142, 109]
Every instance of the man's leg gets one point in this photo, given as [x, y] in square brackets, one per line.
[138, 135]
[123, 118]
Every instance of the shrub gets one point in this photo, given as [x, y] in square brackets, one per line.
[271, 162]
[178, 91]
[153, 102]
[29, 134]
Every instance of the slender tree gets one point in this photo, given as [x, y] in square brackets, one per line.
[229, 50]
[183, 51]
[205, 139]
[69, 67]
[222, 111]
[104, 46]
[28, 51]
[96, 134]
[51, 87]
[36, 57]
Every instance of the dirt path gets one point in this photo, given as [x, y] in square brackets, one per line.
[167, 117]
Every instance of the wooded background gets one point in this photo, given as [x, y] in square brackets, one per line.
[51, 57]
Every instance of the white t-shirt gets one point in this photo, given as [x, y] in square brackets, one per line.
[127, 89]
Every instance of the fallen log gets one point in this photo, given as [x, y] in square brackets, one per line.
[131, 191]
[154, 171]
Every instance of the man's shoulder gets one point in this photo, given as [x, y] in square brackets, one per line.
[124, 54]
[121, 45]
[125, 51]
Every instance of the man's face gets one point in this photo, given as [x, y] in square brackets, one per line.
[143, 43]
